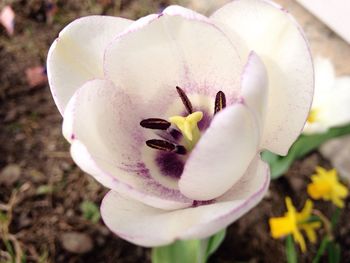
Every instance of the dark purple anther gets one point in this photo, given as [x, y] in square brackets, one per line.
[166, 146]
[220, 102]
[185, 100]
[161, 145]
[155, 124]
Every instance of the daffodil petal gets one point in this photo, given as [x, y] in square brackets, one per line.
[309, 229]
[272, 33]
[100, 122]
[147, 226]
[306, 212]
[281, 226]
[232, 136]
[298, 237]
[197, 56]
[76, 56]
[317, 190]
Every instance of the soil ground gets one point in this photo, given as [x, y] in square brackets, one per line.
[45, 190]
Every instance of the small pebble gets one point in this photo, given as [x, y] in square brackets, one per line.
[76, 242]
[10, 174]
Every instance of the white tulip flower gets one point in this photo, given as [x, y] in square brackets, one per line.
[171, 112]
[331, 103]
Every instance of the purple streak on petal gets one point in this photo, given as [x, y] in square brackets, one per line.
[200, 203]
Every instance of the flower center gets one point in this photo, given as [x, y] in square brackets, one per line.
[313, 116]
[186, 127]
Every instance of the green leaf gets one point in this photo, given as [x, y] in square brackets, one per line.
[290, 250]
[321, 249]
[302, 146]
[184, 251]
[214, 242]
[188, 251]
[333, 252]
[335, 217]
[90, 211]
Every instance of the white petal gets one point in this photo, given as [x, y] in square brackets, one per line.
[316, 127]
[103, 125]
[176, 10]
[339, 102]
[147, 226]
[274, 35]
[222, 155]
[324, 81]
[175, 49]
[76, 56]
[255, 88]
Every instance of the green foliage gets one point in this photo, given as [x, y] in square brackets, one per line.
[291, 253]
[90, 211]
[321, 249]
[302, 146]
[214, 242]
[188, 251]
[328, 243]
[333, 252]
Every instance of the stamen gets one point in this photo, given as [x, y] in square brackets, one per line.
[185, 100]
[155, 124]
[313, 116]
[166, 146]
[161, 145]
[220, 102]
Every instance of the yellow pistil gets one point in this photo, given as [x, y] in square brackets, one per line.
[313, 116]
[325, 185]
[188, 127]
[293, 222]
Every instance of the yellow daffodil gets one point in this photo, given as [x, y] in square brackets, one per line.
[325, 185]
[293, 222]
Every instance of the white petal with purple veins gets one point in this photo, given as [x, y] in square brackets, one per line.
[272, 33]
[147, 226]
[76, 56]
[102, 123]
[171, 51]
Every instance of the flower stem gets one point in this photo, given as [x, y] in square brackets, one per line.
[335, 217]
[291, 254]
[326, 223]
[327, 241]
[321, 249]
